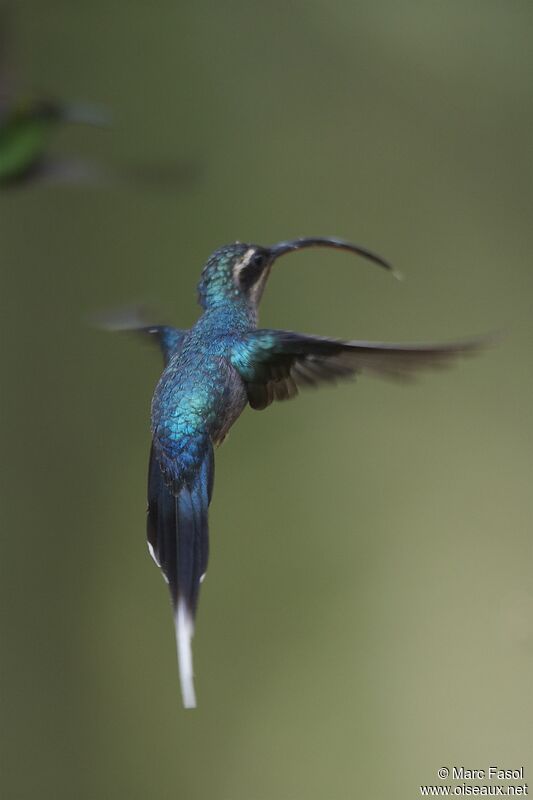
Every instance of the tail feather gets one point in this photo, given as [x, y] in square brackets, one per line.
[178, 540]
[184, 622]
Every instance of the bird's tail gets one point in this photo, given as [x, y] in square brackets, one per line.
[178, 540]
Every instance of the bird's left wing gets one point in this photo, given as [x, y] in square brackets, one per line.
[135, 319]
[275, 364]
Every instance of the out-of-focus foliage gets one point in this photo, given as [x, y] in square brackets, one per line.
[368, 613]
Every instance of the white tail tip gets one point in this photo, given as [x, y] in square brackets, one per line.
[184, 632]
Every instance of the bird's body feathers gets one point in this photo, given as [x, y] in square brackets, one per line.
[215, 369]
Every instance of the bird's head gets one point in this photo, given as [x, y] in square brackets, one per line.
[238, 272]
[235, 272]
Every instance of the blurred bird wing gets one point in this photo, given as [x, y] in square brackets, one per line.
[55, 170]
[136, 319]
[276, 364]
[59, 170]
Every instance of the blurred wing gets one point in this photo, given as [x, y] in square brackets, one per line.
[53, 170]
[135, 319]
[157, 177]
[275, 364]
[59, 170]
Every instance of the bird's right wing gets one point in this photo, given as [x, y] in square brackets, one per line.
[275, 364]
[135, 319]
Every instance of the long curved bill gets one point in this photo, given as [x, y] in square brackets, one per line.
[282, 248]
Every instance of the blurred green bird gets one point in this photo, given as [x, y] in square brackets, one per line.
[26, 131]
[28, 125]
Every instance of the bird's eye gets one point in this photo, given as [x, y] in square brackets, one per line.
[253, 270]
[258, 261]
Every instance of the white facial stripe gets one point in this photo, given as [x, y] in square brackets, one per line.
[257, 289]
[245, 260]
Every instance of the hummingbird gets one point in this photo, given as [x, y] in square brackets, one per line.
[215, 369]
[28, 124]
[26, 130]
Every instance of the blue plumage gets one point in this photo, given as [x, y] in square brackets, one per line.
[212, 371]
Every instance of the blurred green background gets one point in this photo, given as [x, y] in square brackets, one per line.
[368, 613]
